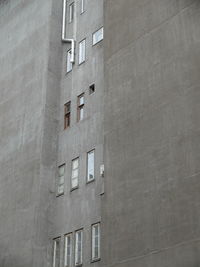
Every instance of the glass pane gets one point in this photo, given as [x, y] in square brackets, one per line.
[61, 170]
[81, 100]
[98, 36]
[90, 166]
[81, 113]
[61, 180]
[74, 173]
[75, 164]
[69, 64]
[56, 260]
[81, 51]
[67, 250]
[74, 183]
[60, 189]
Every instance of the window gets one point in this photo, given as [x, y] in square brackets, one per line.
[80, 107]
[82, 6]
[96, 242]
[71, 12]
[61, 180]
[69, 63]
[92, 89]
[78, 247]
[75, 173]
[82, 46]
[67, 115]
[68, 250]
[56, 252]
[97, 36]
[90, 166]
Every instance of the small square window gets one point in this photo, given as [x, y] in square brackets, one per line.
[92, 89]
[97, 36]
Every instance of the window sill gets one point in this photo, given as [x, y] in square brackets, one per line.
[97, 42]
[91, 181]
[95, 260]
[59, 195]
[73, 189]
[82, 63]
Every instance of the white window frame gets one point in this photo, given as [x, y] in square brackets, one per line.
[91, 152]
[59, 183]
[82, 6]
[67, 261]
[77, 244]
[72, 173]
[97, 36]
[94, 236]
[82, 51]
[55, 250]
[69, 63]
[71, 12]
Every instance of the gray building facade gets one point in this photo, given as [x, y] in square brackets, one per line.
[99, 159]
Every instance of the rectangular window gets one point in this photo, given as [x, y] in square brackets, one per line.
[82, 6]
[96, 242]
[75, 173]
[71, 12]
[67, 115]
[61, 180]
[68, 250]
[56, 252]
[82, 47]
[78, 247]
[97, 36]
[69, 63]
[80, 107]
[90, 166]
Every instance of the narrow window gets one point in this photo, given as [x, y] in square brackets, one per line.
[80, 107]
[75, 173]
[78, 247]
[69, 63]
[67, 115]
[92, 89]
[82, 46]
[56, 252]
[96, 242]
[61, 180]
[90, 166]
[97, 36]
[71, 12]
[68, 250]
[82, 6]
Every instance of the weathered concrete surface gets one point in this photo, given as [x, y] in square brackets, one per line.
[151, 208]
[82, 207]
[28, 80]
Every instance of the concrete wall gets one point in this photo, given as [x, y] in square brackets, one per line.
[151, 207]
[81, 208]
[29, 91]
